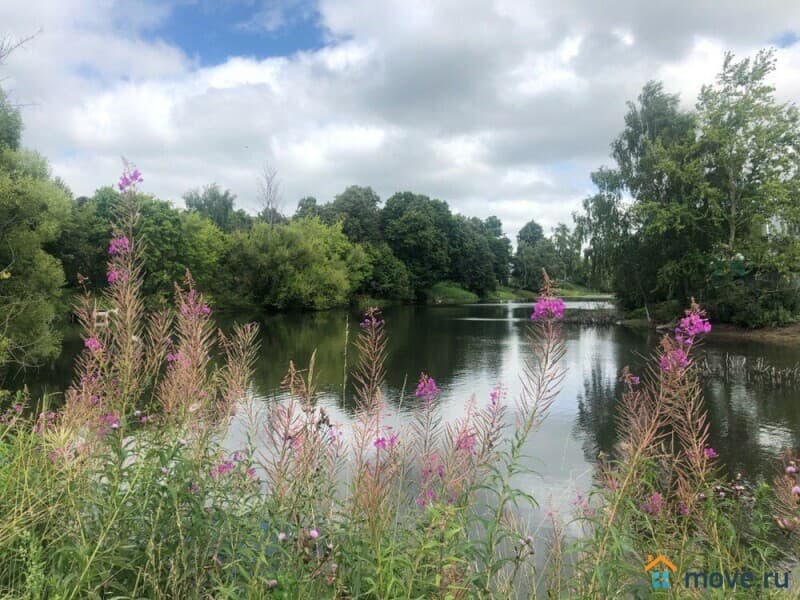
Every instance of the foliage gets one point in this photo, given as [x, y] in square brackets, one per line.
[32, 209]
[303, 264]
[218, 206]
[714, 200]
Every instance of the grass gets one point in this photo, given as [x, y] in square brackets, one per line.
[447, 292]
[575, 291]
[511, 294]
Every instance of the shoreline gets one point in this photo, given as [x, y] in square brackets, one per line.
[784, 334]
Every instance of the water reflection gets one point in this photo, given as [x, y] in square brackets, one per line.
[468, 349]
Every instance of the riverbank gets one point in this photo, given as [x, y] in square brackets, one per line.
[786, 334]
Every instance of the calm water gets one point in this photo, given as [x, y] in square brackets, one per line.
[470, 348]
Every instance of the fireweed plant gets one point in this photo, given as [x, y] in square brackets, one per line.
[129, 491]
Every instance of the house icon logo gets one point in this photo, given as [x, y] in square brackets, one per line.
[659, 569]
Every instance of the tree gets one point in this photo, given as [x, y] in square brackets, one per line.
[307, 207]
[388, 277]
[567, 245]
[302, 264]
[269, 196]
[470, 256]
[499, 248]
[204, 245]
[416, 229]
[32, 209]
[530, 262]
[218, 206]
[750, 144]
[530, 233]
[357, 209]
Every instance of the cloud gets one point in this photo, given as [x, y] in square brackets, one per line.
[497, 107]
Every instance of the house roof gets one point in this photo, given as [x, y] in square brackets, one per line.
[659, 560]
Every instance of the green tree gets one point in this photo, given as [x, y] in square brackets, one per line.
[388, 276]
[530, 260]
[530, 233]
[218, 206]
[204, 245]
[32, 209]
[417, 230]
[357, 209]
[500, 249]
[302, 264]
[470, 256]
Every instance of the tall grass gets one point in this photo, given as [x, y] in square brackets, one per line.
[127, 491]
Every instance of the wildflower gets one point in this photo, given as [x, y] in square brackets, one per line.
[195, 487]
[18, 407]
[548, 308]
[653, 504]
[113, 275]
[380, 443]
[164, 470]
[791, 470]
[426, 389]
[281, 537]
[683, 510]
[120, 245]
[110, 420]
[796, 490]
[466, 442]
[313, 534]
[710, 453]
[205, 310]
[129, 179]
[497, 394]
[251, 472]
[273, 583]
[93, 344]
[674, 359]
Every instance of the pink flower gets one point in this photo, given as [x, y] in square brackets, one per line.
[273, 583]
[93, 344]
[313, 534]
[711, 453]
[281, 537]
[796, 490]
[426, 389]
[791, 470]
[466, 442]
[120, 245]
[129, 179]
[548, 308]
[674, 359]
[380, 443]
[251, 472]
[653, 504]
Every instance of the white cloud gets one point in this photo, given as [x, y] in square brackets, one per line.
[479, 103]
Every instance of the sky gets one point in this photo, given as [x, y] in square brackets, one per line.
[499, 107]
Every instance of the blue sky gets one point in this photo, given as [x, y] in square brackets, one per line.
[212, 32]
[499, 107]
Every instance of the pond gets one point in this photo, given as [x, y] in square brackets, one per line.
[468, 349]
